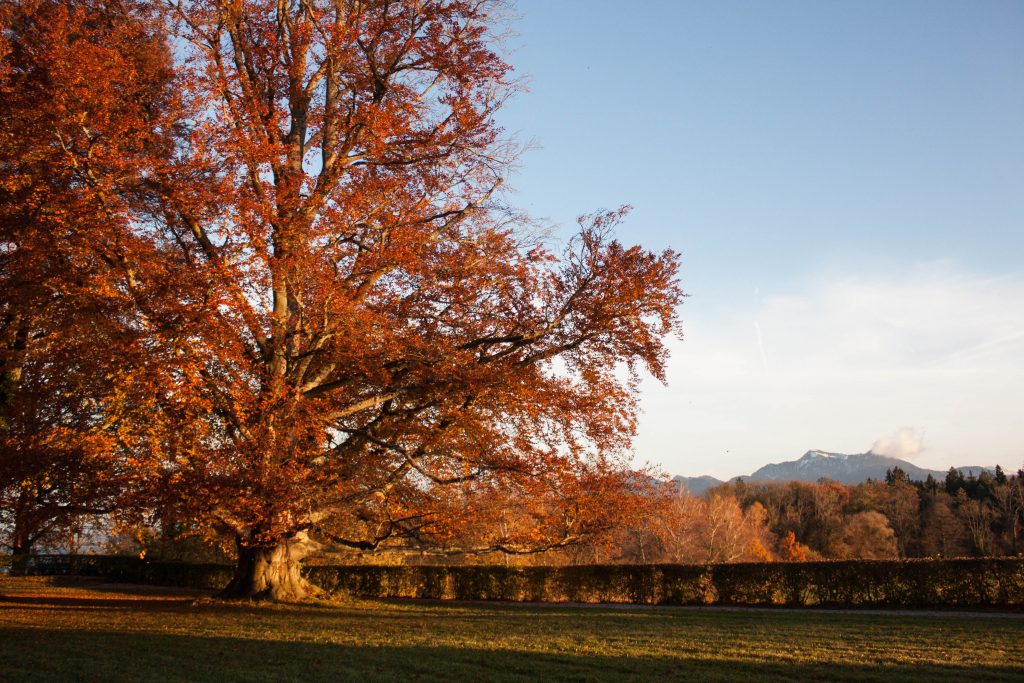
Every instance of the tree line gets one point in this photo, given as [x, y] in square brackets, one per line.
[755, 521]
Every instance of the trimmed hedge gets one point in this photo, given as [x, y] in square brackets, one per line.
[132, 570]
[909, 583]
[973, 583]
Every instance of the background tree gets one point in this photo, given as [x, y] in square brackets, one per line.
[978, 518]
[900, 502]
[76, 80]
[943, 533]
[792, 550]
[1009, 503]
[672, 525]
[711, 529]
[867, 536]
[830, 521]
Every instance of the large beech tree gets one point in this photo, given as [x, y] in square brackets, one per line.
[337, 330]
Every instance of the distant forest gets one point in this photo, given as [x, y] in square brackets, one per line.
[961, 516]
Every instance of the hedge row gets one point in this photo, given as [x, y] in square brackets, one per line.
[857, 583]
[131, 570]
[915, 583]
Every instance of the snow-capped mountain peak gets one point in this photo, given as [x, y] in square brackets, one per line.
[815, 465]
[812, 455]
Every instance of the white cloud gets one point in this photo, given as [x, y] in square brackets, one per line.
[848, 358]
[906, 443]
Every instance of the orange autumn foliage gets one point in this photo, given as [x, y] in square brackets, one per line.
[793, 550]
[334, 328]
[66, 341]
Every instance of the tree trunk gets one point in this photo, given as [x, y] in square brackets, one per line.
[21, 542]
[272, 572]
[19, 560]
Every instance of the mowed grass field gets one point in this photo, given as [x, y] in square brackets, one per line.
[71, 629]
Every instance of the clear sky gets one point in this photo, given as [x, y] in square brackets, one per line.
[845, 181]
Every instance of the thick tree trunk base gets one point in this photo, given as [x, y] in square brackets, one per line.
[272, 573]
[19, 563]
[22, 541]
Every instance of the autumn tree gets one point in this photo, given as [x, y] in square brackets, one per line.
[54, 466]
[978, 517]
[673, 524]
[648, 523]
[586, 514]
[72, 77]
[900, 502]
[813, 512]
[943, 534]
[792, 550]
[1009, 504]
[867, 536]
[712, 529]
[335, 320]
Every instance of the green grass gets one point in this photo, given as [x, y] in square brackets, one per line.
[89, 631]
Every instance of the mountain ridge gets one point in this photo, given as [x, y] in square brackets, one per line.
[817, 464]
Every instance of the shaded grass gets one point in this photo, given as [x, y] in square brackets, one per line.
[95, 632]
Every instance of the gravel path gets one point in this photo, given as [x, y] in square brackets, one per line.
[966, 614]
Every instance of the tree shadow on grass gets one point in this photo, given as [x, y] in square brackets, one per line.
[49, 603]
[98, 584]
[36, 655]
[122, 597]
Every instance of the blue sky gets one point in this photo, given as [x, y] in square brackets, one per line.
[845, 182]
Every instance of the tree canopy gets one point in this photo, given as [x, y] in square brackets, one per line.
[316, 317]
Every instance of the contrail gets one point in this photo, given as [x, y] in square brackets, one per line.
[986, 347]
[760, 345]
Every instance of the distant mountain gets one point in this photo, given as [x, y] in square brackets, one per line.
[814, 465]
[698, 485]
[846, 469]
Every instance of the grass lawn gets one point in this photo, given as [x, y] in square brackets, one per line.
[90, 631]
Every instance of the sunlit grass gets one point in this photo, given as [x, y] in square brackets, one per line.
[52, 630]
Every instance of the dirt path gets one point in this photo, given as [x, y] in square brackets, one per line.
[966, 614]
